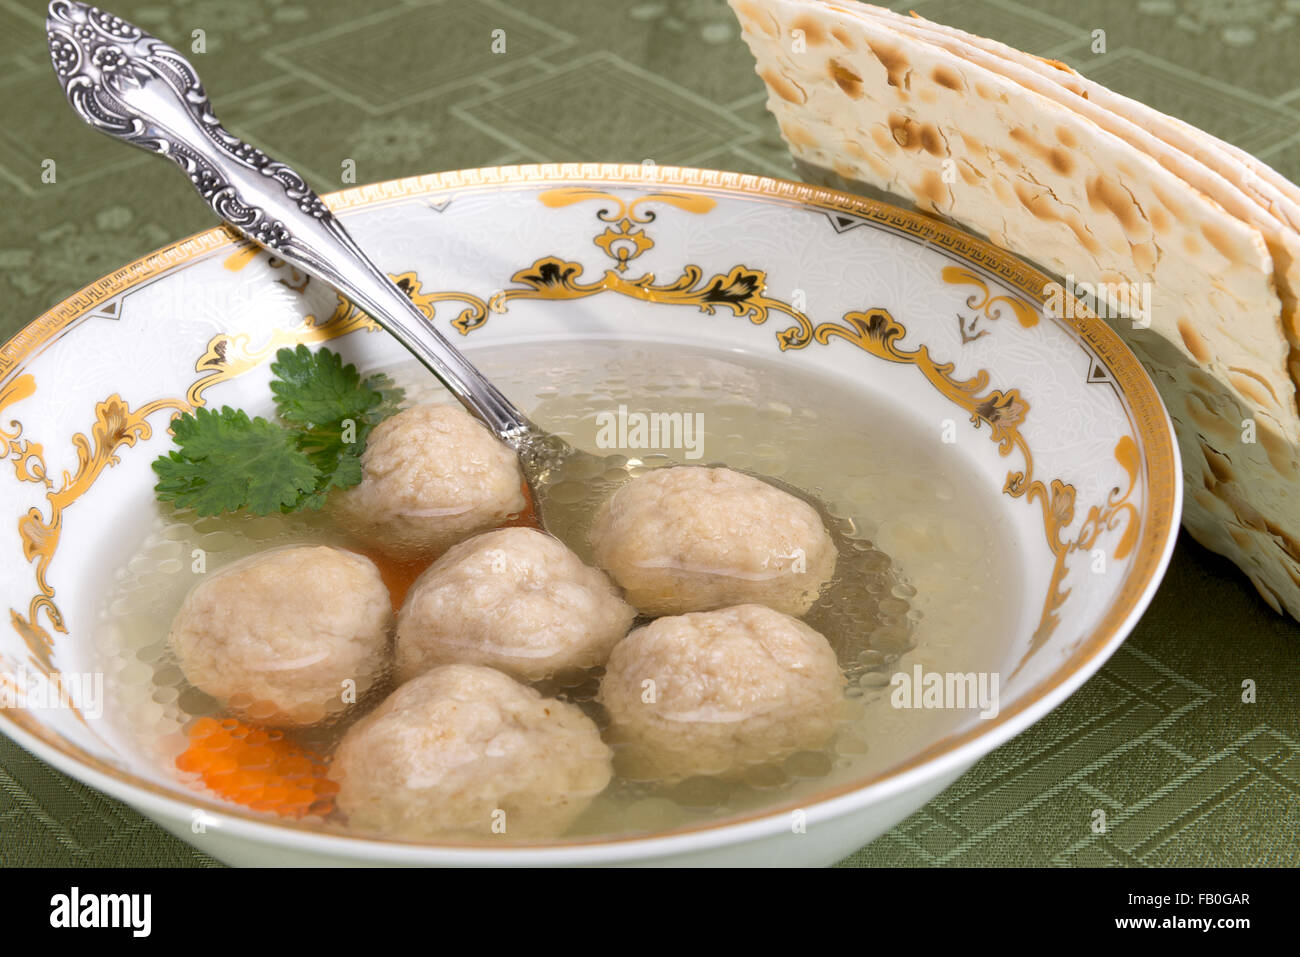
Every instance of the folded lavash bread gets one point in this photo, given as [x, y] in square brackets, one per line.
[1199, 161]
[885, 108]
[1207, 170]
[1259, 180]
[1260, 174]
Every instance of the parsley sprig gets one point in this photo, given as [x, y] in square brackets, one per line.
[225, 460]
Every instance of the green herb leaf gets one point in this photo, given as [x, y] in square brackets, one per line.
[225, 461]
[316, 391]
[333, 409]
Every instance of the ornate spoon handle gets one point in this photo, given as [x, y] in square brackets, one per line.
[126, 83]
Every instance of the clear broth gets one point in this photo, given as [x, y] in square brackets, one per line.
[927, 572]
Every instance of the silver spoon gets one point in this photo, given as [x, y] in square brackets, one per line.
[133, 86]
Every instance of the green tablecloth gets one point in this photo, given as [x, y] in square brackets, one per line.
[1160, 740]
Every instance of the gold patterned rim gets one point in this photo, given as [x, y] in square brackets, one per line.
[1158, 453]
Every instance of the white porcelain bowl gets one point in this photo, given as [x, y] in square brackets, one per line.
[897, 310]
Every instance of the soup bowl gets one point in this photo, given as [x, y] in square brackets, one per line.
[1032, 402]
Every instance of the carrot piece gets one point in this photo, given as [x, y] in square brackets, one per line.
[528, 517]
[399, 576]
[257, 768]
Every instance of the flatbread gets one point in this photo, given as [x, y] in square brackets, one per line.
[1263, 178]
[1266, 185]
[887, 108]
[1195, 160]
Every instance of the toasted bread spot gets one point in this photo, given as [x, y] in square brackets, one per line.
[1286, 541]
[1104, 194]
[751, 19]
[1144, 255]
[1276, 447]
[884, 139]
[1221, 242]
[1065, 136]
[1254, 385]
[1061, 161]
[894, 62]
[842, 35]
[932, 142]
[1058, 158]
[846, 79]
[755, 20]
[905, 131]
[1219, 464]
[947, 77]
[1159, 219]
[1194, 341]
[1211, 504]
[1213, 425]
[1035, 199]
[1086, 239]
[1246, 513]
[797, 133]
[784, 87]
[1038, 200]
[932, 188]
[812, 30]
[1192, 245]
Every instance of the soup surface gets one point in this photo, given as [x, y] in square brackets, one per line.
[926, 575]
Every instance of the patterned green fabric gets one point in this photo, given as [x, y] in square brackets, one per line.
[1160, 740]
